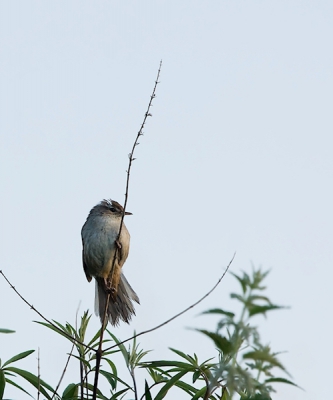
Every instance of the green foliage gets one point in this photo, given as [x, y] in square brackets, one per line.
[242, 368]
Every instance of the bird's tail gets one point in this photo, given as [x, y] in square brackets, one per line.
[122, 308]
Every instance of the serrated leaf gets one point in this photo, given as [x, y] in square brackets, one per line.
[256, 309]
[243, 281]
[263, 356]
[258, 297]
[219, 311]
[221, 342]
[282, 380]
[238, 297]
[18, 357]
[257, 396]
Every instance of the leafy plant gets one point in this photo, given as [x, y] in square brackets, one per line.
[242, 368]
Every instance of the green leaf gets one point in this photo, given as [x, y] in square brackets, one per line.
[147, 392]
[2, 383]
[121, 346]
[6, 331]
[33, 379]
[219, 311]
[116, 395]
[196, 376]
[200, 393]
[109, 375]
[18, 357]
[186, 387]
[225, 395]
[165, 363]
[94, 339]
[10, 382]
[162, 393]
[282, 380]
[263, 356]
[256, 309]
[257, 396]
[238, 297]
[70, 392]
[221, 342]
[245, 281]
[110, 378]
[258, 297]
[183, 355]
[61, 331]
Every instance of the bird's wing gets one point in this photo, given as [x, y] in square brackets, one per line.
[85, 267]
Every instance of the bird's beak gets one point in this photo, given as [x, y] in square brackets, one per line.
[128, 213]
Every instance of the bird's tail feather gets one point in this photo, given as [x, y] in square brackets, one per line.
[122, 308]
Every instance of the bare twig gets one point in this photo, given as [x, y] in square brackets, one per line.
[113, 291]
[134, 383]
[38, 378]
[42, 316]
[131, 159]
[64, 371]
[67, 362]
[179, 314]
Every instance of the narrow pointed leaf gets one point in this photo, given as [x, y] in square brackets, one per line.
[33, 379]
[162, 393]
[219, 311]
[116, 395]
[282, 380]
[186, 387]
[18, 357]
[6, 331]
[10, 382]
[2, 383]
[183, 355]
[243, 281]
[195, 376]
[256, 309]
[147, 392]
[121, 347]
[200, 393]
[165, 363]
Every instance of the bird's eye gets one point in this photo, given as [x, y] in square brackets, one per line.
[113, 209]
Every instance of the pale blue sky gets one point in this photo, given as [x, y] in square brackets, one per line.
[237, 157]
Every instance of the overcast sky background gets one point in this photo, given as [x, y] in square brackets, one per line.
[237, 157]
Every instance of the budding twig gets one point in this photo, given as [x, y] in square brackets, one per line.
[113, 290]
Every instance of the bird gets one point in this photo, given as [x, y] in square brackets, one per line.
[100, 242]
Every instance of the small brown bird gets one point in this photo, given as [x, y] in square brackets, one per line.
[99, 240]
